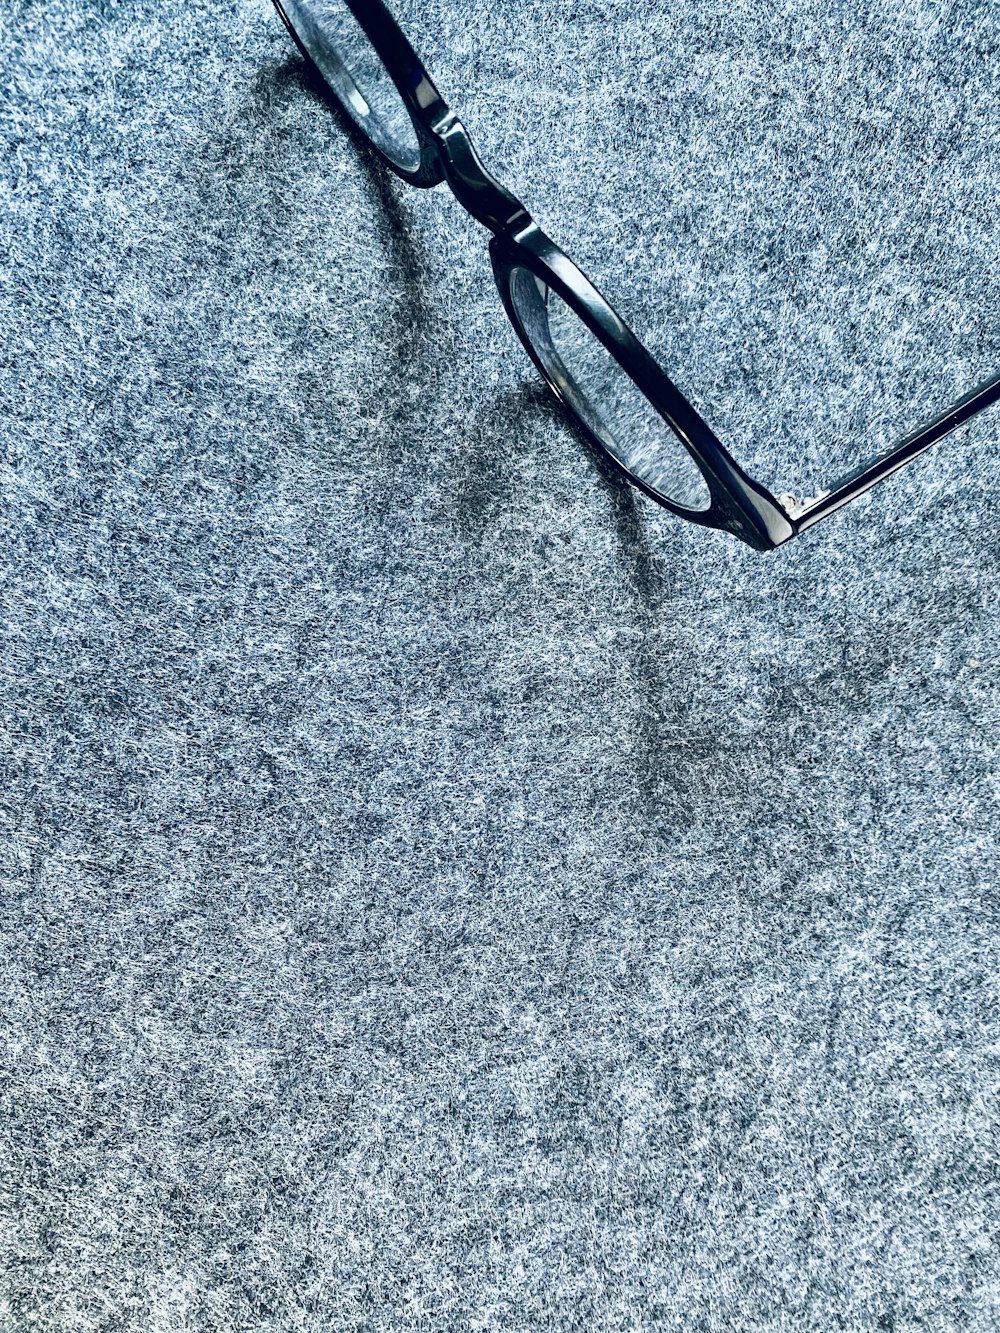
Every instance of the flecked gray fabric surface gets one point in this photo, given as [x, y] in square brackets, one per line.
[441, 890]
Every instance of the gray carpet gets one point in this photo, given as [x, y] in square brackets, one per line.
[440, 889]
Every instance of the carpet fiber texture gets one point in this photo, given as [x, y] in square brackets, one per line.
[440, 889]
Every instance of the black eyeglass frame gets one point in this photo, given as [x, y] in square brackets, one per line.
[739, 505]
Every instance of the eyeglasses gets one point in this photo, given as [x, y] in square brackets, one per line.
[618, 394]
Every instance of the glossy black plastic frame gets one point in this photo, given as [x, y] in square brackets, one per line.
[739, 504]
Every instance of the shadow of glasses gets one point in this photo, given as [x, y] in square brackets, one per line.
[487, 483]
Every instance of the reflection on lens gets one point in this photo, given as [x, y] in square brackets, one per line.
[348, 62]
[605, 397]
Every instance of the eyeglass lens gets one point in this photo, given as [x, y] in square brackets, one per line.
[605, 396]
[348, 62]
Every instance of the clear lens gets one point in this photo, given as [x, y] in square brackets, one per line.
[605, 397]
[348, 62]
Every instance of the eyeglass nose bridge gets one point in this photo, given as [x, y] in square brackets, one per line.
[479, 192]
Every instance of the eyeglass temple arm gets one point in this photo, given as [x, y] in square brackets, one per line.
[864, 478]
